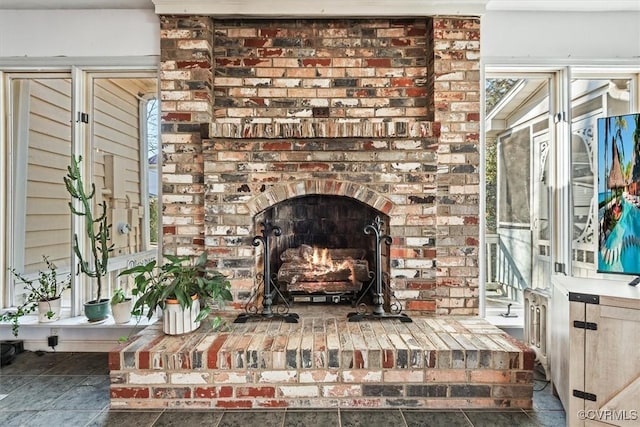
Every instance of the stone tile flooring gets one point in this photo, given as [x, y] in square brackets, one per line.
[72, 389]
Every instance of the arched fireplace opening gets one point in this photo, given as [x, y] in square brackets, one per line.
[323, 254]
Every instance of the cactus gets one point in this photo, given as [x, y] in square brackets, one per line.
[97, 228]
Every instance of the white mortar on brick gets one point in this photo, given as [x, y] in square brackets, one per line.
[317, 376]
[277, 376]
[299, 391]
[153, 378]
[362, 376]
[230, 378]
[192, 378]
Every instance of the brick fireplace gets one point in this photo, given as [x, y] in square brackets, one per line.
[380, 112]
[321, 125]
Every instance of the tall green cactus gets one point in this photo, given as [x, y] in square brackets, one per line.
[97, 228]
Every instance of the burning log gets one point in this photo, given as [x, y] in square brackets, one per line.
[306, 253]
[292, 272]
[311, 270]
[324, 287]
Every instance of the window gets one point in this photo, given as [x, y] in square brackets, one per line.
[518, 126]
[543, 128]
[102, 116]
[514, 184]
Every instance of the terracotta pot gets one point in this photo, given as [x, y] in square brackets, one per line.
[49, 311]
[178, 321]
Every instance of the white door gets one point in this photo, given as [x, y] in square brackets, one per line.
[541, 224]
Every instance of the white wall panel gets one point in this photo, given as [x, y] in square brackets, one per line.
[48, 33]
[564, 35]
[522, 34]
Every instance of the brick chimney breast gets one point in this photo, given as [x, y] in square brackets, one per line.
[384, 111]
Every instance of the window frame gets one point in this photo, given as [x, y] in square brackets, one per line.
[561, 202]
[81, 143]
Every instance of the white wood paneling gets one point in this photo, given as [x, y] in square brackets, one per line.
[116, 132]
[46, 216]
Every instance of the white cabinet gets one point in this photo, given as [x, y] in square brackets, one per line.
[595, 350]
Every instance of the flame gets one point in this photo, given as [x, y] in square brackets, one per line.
[321, 257]
[322, 262]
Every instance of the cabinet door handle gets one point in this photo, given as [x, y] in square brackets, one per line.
[585, 325]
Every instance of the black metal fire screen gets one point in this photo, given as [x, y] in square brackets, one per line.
[266, 287]
[380, 288]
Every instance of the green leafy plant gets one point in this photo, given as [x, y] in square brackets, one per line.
[48, 287]
[179, 278]
[121, 306]
[97, 227]
[118, 296]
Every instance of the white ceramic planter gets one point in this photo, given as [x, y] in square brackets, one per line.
[45, 307]
[121, 312]
[176, 321]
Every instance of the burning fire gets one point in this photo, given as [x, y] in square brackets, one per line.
[321, 262]
[315, 269]
[321, 257]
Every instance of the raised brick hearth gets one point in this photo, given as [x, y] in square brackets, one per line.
[325, 361]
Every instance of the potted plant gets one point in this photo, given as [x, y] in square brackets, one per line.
[97, 231]
[121, 306]
[45, 295]
[182, 287]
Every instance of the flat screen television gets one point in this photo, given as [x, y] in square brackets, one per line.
[619, 194]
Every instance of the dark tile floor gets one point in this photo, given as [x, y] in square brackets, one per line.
[72, 389]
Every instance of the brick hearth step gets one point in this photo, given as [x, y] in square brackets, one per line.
[325, 361]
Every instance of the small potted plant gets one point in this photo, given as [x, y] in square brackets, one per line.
[121, 306]
[97, 231]
[45, 295]
[183, 288]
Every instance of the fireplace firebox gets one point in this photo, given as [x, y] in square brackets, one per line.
[322, 253]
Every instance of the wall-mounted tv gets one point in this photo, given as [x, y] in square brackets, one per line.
[619, 194]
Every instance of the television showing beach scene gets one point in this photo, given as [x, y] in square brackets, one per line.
[619, 194]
